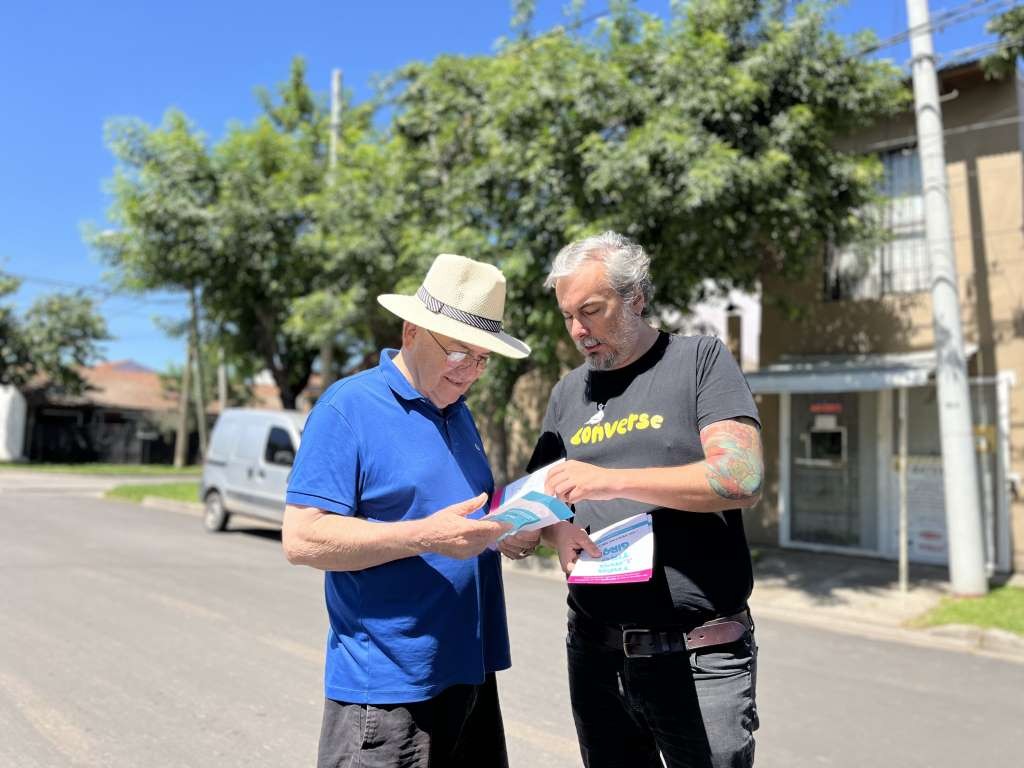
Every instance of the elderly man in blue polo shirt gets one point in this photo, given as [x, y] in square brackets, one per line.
[385, 497]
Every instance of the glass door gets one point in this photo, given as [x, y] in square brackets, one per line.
[833, 471]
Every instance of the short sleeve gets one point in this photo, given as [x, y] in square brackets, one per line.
[550, 446]
[722, 390]
[326, 470]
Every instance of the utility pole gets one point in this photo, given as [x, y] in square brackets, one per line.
[959, 472]
[181, 436]
[335, 116]
[197, 352]
[327, 347]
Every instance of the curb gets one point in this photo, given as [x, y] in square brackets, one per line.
[998, 641]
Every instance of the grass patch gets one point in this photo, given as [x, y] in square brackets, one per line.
[543, 550]
[1002, 608]
[105, 469]
[184, 491]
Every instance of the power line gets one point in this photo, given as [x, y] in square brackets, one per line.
[104, 292]
[906, 141]
[975, 51]
[940, 21]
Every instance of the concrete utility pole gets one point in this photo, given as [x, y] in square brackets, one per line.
[335, 116]
[200, 380]
[181, 436]
[327, 348]
[959, 472]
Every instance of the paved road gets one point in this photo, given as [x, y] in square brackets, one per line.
[129, 637]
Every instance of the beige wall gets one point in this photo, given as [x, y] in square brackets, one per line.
[986, 188]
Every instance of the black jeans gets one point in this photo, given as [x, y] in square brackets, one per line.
[461, 726]
[696, 709]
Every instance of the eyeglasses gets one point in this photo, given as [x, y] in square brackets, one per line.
[458, 358]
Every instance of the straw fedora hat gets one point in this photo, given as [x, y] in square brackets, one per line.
[462, 299]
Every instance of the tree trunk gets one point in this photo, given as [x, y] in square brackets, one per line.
[276, 361]
[288, 397]
[222, 380]
[181, 438]
[197, 353]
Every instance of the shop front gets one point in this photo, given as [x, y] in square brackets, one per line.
[839, 450]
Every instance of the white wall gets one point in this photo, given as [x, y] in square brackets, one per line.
[12, 423]
[709, 317]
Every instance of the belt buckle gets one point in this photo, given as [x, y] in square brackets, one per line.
[625, 643]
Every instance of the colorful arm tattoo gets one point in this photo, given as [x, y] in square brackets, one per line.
[732, 453]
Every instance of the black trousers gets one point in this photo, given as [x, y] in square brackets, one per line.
[461, 726]
[693, 709]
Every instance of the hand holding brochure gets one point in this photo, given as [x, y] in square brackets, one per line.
[524, 505]
[627, 549]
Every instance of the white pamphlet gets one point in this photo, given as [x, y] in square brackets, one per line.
[524, 505]
[627, 554]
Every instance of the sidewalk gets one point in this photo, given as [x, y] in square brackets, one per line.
[853, 595]
[28, 481]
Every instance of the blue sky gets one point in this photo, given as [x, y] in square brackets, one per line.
[69, 66]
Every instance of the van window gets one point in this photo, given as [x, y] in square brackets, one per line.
[279, 448]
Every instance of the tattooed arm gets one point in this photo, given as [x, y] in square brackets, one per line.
[734, 466]
[730, 476]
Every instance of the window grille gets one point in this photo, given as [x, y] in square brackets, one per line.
[900, 263]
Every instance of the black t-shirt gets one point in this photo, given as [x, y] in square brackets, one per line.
[649, 414]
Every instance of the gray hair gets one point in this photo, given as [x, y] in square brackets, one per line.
[627, 263]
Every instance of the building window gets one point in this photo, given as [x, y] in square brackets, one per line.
[898, 265]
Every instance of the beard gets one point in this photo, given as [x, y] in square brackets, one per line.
[619, 341]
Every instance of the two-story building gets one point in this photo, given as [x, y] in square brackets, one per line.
[832, 378]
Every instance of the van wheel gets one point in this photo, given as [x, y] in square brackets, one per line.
[215, 515]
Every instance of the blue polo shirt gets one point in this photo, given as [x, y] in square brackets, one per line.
[375, 448]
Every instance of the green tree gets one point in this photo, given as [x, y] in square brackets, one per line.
[711, 139]
[240, 371]
[228, 222]
[57, 337]
[1009, 27]
[366, 229]
[272, 174]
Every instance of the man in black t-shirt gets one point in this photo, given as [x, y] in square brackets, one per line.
[664, 425]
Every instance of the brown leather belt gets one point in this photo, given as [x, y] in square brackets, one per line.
[643, 642]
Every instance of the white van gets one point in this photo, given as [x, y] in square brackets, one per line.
[248, 463]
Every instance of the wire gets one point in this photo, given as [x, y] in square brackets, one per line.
[939, 21]
[976, 51]
[907, 141]
[104, 292]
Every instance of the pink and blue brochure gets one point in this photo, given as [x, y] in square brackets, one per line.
[627, 554]
[524, 505]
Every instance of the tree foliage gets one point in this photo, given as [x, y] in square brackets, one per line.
[229, 220]
[711, 138]
[1009, 27]
[57, 337]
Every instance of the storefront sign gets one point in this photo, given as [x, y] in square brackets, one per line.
[926, 503]
[826, 408]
